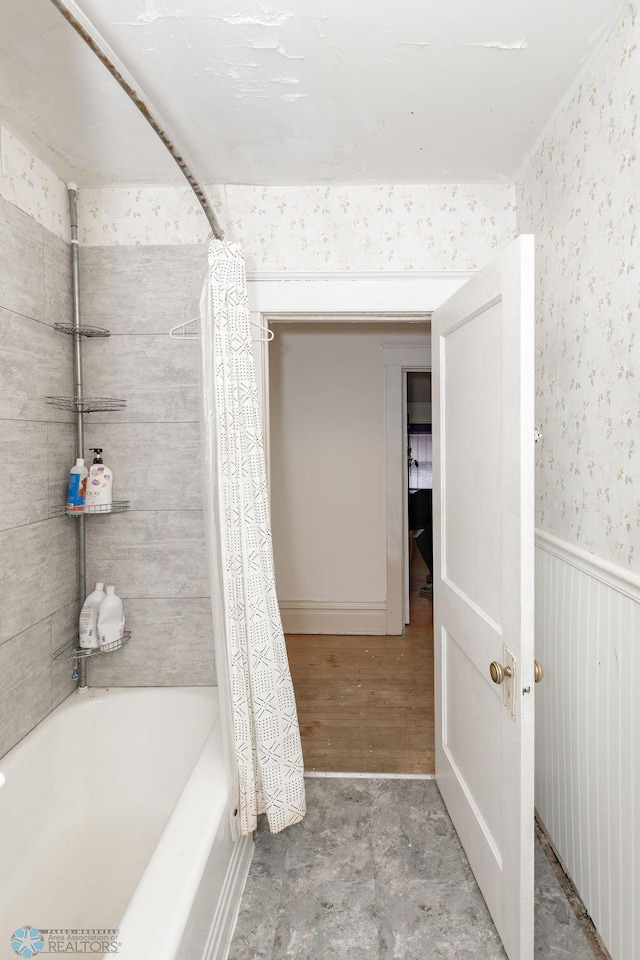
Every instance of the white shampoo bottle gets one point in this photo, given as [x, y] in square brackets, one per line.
[110, 618]
[88, 632]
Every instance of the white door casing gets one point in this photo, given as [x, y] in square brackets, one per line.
[397, 357]
[397, 360]
[483, 394]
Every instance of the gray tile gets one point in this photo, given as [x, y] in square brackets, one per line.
[61, 446]
[23, 472]
[428, 901]
[157, 376]
[171, 645]
[334, 817]
[21, 276]
[441, 920]
[255, 931]
[64, 636]
[413, 837]
[156, 466]
[340, 807]
[441, 932]
[558, 934]
[63, 683]
[58, 303]
[262, 897]
[407, 857]
[330, 918]
[306, 896]
[337, 848]
[269, 856]
[149, 554]
[141, 289]
[25, 683]
[64, 626]
[327, 861]
[35, 362]
[37, 573]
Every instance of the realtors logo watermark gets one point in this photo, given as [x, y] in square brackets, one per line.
[31, 942]
[27, 942]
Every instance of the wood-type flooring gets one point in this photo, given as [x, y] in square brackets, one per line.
[365, 704]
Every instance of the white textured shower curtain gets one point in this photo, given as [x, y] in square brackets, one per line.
[248, 630]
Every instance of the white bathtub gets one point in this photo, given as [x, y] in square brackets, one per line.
[114, 813]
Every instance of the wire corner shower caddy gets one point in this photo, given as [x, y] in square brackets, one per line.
[78, 403]
[81, 405]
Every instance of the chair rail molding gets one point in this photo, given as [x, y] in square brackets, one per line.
[624, 581]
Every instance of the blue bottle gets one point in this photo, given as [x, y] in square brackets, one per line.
[77, 490]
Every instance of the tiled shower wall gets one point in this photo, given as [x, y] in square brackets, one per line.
[37, 549]
[154, 554]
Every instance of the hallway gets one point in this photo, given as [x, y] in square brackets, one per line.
[365, 704]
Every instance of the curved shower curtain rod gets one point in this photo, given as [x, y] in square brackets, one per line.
[83, 26]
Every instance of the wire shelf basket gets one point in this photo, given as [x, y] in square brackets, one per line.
[81, 654]
[83, 331]
[96, 509]
[86, 404]
[77, 653]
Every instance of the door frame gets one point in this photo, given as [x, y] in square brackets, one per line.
[399, 360]
[386, 617]
[373, 296]
[331, 294]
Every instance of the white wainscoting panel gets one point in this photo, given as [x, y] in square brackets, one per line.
[588, 733]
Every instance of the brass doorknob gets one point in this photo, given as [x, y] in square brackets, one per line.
[538, 672]
[498, 672]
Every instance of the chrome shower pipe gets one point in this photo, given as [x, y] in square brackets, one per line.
[85, 29]
[78, 394]
[77, 338]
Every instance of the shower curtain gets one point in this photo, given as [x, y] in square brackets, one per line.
[253, 671]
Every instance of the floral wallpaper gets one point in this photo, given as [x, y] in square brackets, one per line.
[314, 228]
[32, 186]
[580, 195]
[419, 227]
[113, 216]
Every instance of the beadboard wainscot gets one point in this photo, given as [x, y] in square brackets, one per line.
[588, 732]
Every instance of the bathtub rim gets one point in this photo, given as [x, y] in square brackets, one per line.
[86, 697]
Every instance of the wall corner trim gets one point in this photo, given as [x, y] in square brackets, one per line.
[624, 581]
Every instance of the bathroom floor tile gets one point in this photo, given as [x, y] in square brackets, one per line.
[328, 917]
[375, 871]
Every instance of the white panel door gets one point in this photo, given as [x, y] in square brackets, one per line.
[483, 364]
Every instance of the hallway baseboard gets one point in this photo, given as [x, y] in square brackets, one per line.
[325, 617]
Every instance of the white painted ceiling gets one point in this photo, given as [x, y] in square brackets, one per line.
[297, 91]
